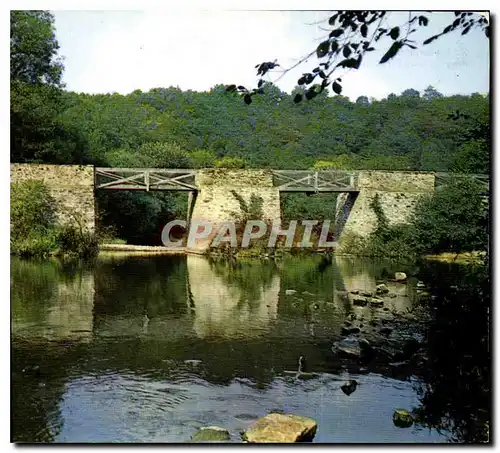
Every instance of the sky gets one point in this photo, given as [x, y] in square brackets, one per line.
[123, 51]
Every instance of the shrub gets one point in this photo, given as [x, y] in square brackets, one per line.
[32, 209]
[231, 162]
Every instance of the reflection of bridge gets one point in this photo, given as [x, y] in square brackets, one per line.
[220, 301]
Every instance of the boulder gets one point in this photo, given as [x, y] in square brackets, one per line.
[349, 387]
[360, 301]
[366, 294]
[281, 428]
[400, 276]
[290, 292]
[349, 330]
[348, 348]
[374, 302]
[382, 289]
[210, 434]
[402, 418]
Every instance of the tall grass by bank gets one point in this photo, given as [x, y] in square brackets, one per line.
[454, 219]
[33, 225]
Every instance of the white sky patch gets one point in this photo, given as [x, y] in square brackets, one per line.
[122, 51]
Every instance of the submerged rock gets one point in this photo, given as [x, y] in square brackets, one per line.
[281, 428]
[402, 418]
[349, 387]
[400, 276]
[211, 434]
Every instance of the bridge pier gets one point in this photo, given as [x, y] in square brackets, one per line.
[221, 191]
[398, 193]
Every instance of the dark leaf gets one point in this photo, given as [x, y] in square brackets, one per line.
[309, 78]
[456, 22]
[447, 29]
[422, 20]
[336, 33]
[322, 49]
[432, 38]
[335, 45]
[354, 26]
[349, 63]
[301, 81]
[336, 87]
[332, 19]
[466, 30]
[355, 45]
[316, 69]
[364, 30]
[297, 98]
[487, 31]
[322, 74]
[370, 49]
[347, 51]
[391, 53]
[339, 79]
[242, 88]
[410, 46]
[311, 94]
[261, 82]
[248, 99]
[394, 33]
[231, 88]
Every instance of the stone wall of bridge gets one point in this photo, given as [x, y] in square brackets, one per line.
[398, 194]
[72, 187]
[216, 202]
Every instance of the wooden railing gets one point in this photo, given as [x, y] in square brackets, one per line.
[144, 179]
[315, 181]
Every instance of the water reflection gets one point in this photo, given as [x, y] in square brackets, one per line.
[232, 300]
[149, 349]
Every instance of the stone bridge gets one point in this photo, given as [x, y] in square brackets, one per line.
[214, 193]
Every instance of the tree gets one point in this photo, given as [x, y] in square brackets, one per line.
[33, 48]
[431, 93]
[351, 34]
[37, 133]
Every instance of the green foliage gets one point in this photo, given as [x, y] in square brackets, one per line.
[203, 158]
[33, 227]
[454, 219]
[251, 210]
[33, 48]
[231, 162]
[75, 241]
[32, 209]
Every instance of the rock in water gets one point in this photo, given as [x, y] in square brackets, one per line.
[210, 434]
[400, 276]
[349, 387]
[402, 418]
[360, 301]
[382, 289]
[281, 428]
[290, 292]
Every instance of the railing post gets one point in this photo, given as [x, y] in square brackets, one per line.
[316, 181]
[146, 179]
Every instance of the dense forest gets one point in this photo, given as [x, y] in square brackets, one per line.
[168, 127]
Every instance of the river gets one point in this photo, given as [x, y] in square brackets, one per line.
[151, 348]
